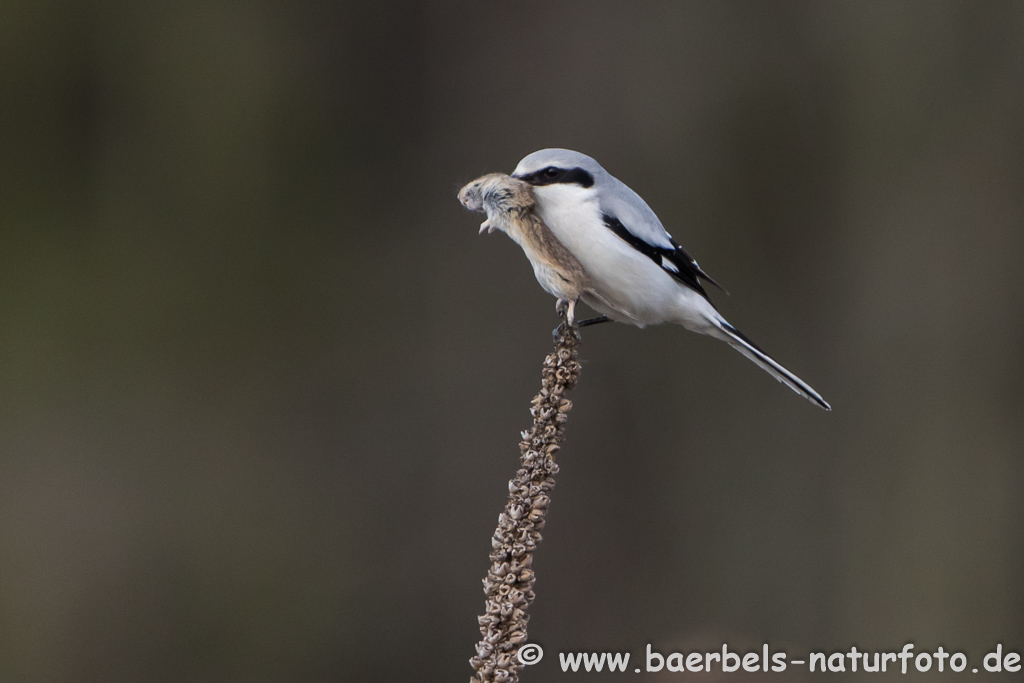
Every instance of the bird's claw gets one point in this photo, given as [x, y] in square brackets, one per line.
[567, 309]
[556, 333]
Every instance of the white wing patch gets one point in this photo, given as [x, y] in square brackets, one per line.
[668, 265]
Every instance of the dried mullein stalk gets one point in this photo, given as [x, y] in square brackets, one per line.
[509, 582]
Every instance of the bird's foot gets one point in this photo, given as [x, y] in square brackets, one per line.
[557, 333]
[567, 309]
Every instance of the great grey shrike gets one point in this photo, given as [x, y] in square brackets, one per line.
[637, 273]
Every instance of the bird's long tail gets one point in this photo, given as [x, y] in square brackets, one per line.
[739, 341]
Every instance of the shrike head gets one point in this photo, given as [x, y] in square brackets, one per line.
[559, 167]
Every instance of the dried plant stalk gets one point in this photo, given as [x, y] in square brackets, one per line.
[509, 582]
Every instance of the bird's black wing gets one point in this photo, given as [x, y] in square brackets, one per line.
[675, 261]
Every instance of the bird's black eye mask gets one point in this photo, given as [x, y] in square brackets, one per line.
[552, 175]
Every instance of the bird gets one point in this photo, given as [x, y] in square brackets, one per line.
[636, 272]
[510, 206]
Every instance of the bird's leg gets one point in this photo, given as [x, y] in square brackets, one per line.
[567, 309]
[561, 306]
[593, 321]
[577, 326]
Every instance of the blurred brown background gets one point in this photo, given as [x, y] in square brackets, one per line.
[261, 383]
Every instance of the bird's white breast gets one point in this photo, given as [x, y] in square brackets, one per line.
[628, 285]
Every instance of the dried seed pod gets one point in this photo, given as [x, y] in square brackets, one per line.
[509, 581]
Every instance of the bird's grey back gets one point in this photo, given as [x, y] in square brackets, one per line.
[618, 200]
